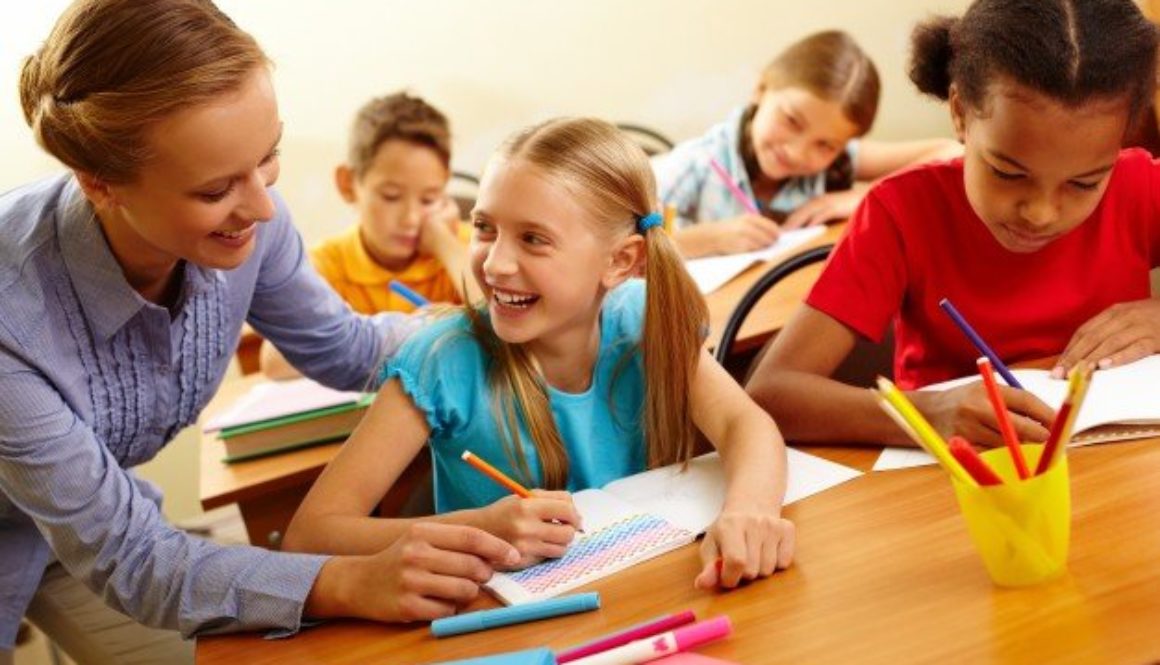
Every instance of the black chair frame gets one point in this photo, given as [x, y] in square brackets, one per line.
[766, 282]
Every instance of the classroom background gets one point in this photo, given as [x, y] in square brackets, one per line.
[493, 67]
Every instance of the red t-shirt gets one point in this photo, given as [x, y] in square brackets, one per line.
[915, 239]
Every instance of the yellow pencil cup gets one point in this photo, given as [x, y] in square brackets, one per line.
[1021, 528]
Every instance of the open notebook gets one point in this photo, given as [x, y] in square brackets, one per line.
[714, 272]
[637, 518]
[1121, 404]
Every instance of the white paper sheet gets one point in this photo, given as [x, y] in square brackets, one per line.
[714, 272]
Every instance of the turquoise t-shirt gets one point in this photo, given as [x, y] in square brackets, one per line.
[444, 371]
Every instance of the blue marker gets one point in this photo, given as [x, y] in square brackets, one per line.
[412, 297]
[504, 616]
[945, 303]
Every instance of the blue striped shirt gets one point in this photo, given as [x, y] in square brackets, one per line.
[685, 179]
[95, 380]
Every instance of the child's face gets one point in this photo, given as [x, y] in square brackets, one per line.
[403, 184]
[1033, 168]
[537, 258]
[795, 132]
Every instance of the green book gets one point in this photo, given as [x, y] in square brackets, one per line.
[293, 431]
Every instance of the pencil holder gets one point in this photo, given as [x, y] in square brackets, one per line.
[1021, 528]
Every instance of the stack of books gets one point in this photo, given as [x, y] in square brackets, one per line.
[278, 416]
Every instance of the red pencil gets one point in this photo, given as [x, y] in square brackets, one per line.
[1060, 428]
[965, 453]
[1005, 426]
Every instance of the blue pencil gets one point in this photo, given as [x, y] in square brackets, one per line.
[947, 307]
[412, 297]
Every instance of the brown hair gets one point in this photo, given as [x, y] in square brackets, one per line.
[610, 176]
[1070, 50]
[398, 116]
[833, 67]
[110, 69]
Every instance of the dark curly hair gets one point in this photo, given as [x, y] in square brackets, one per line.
[1070, 50]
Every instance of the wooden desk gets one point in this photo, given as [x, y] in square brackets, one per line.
[269, 490]
[885, 573]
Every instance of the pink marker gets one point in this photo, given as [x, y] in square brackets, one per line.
[659, 646]
[630, 634]
[732, 187]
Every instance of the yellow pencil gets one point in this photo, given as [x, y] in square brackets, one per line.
[669, 217]
[916, 426]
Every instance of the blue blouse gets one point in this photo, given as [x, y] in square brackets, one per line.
[95, 380]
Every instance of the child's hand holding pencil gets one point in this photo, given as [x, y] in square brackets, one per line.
[967, 412]
[540, 524]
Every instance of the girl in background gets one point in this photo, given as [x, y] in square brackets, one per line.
[794, 149]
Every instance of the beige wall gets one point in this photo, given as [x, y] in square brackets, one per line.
[495, 66]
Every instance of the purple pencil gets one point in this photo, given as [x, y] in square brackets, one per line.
[649, 628]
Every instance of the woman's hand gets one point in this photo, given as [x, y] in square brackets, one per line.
[749, 543]
[430, 572]
[967, 412]
[540, 527]
[1120, 334]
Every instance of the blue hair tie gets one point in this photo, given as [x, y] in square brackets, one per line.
[648, 221]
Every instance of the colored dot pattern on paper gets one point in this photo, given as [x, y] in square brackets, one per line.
[590, 555]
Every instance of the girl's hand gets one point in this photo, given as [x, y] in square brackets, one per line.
[966, 411]
[1120, 334]
[819, 210]
[746, 233]
[749, 543]
[540, 527]
[428, 573]
[440, 227]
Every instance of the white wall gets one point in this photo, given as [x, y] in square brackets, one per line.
[493, 67]
[498, 65]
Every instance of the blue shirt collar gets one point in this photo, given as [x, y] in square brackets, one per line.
[105, 295]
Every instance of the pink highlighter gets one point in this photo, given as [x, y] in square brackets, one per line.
[659, 646]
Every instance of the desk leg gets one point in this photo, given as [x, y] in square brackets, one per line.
[267, 517]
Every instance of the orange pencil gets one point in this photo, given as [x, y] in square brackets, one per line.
[496, 475]
[500, 477]
[1005, 426]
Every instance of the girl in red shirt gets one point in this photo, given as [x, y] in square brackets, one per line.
[1043, 234]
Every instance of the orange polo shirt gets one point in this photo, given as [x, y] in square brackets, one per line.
[345, 264]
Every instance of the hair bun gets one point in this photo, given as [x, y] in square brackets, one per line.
[33, 93]
[931, 55]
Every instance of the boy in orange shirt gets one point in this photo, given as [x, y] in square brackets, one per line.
[408, 229]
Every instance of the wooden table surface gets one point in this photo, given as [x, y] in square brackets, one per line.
[885, 573]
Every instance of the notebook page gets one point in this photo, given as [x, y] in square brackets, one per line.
[693, 499]
[711, 273]
[611, 542]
